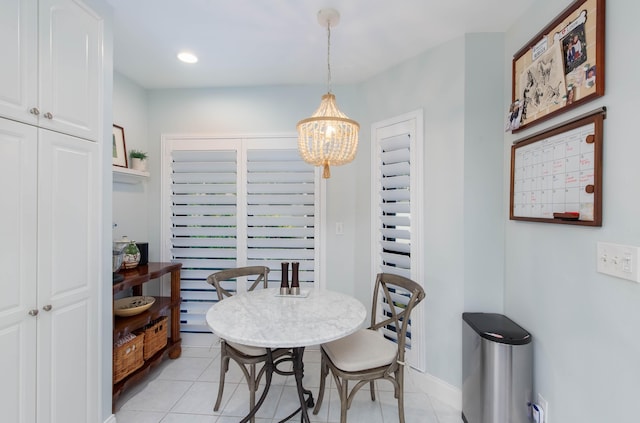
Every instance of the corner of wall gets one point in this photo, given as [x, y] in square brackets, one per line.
[436, 388]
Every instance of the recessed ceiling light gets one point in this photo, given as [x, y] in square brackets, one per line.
[187, 57]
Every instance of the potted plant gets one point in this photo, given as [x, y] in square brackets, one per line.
[138, 160]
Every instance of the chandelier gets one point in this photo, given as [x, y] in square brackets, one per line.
[328, 137]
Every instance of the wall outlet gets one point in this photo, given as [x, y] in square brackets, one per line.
[545, 408]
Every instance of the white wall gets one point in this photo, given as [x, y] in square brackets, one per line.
[257, 110]
[453, 157]
[454, 84]
[484, 212]
[130, 201]
[433, 81]
[585, 325]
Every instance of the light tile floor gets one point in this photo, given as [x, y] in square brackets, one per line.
[184, 391]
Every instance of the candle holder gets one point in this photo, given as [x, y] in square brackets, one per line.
[284, 284]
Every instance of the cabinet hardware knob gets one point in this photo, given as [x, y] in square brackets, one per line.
[47, 307]
[34, 111]
[33, 312]
[48, 115]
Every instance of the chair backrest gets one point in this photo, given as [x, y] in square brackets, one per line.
[260, 272]
[400, 296]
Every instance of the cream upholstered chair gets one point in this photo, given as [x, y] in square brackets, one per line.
[246, 356]
[367, 355]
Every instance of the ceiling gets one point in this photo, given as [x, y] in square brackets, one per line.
[273, 42]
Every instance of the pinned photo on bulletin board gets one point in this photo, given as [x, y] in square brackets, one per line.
[560, 68]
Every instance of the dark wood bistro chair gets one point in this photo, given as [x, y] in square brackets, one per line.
[246, 356]
[367, 355]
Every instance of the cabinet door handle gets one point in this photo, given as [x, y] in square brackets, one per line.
[34, 111]
[48, 115]
[33, 312]
[47, 307]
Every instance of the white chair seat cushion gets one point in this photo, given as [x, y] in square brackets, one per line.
[247, 350]
[365, 349]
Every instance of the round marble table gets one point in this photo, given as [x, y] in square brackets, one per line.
[263, 318]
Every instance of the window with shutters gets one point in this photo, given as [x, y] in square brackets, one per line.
[397, 196]
[236, 202]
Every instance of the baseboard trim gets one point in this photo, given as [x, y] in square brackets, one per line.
[436, 388]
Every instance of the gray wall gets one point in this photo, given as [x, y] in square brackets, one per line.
[585, 325]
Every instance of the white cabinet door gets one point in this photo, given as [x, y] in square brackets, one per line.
[18, 231]
[51, 65]
[70, 68]
[19, 52]
[68, 269]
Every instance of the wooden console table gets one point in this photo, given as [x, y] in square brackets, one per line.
[163, 306]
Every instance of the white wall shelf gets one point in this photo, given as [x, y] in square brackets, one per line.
[128, 176]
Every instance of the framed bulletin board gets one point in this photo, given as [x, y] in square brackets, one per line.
[556, 175]
[561, 67]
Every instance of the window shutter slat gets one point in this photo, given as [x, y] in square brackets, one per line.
[395, 233]
[396, 195]
[215, 191]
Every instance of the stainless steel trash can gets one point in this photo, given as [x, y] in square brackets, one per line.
[497, 369]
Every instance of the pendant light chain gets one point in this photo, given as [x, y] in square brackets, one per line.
[329, 56]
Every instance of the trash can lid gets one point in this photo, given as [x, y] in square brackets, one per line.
[497, 328]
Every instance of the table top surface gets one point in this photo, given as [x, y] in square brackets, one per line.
[262, 318]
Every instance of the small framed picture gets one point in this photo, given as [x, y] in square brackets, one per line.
[119, 147]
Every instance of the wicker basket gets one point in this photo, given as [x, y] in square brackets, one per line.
[155, 337]
[127, 357]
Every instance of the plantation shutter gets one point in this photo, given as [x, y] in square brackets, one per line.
[239, 203]
[204, 231]
[281, 221]
[395, 218]
[395, 206]
[396, 223]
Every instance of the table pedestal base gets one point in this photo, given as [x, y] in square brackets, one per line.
[298, 373]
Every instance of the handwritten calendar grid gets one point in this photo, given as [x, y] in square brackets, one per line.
[551, 176]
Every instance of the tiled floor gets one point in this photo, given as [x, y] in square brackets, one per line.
[184, 391]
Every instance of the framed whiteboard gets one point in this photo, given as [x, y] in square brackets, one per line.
[556, 175]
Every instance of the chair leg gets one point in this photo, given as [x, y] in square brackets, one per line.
[372, 388]
[344, 399]
[252, 389]
[400, 393]
[324, 371]
[224, 366]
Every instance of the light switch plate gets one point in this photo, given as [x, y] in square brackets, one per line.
[618, 260]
